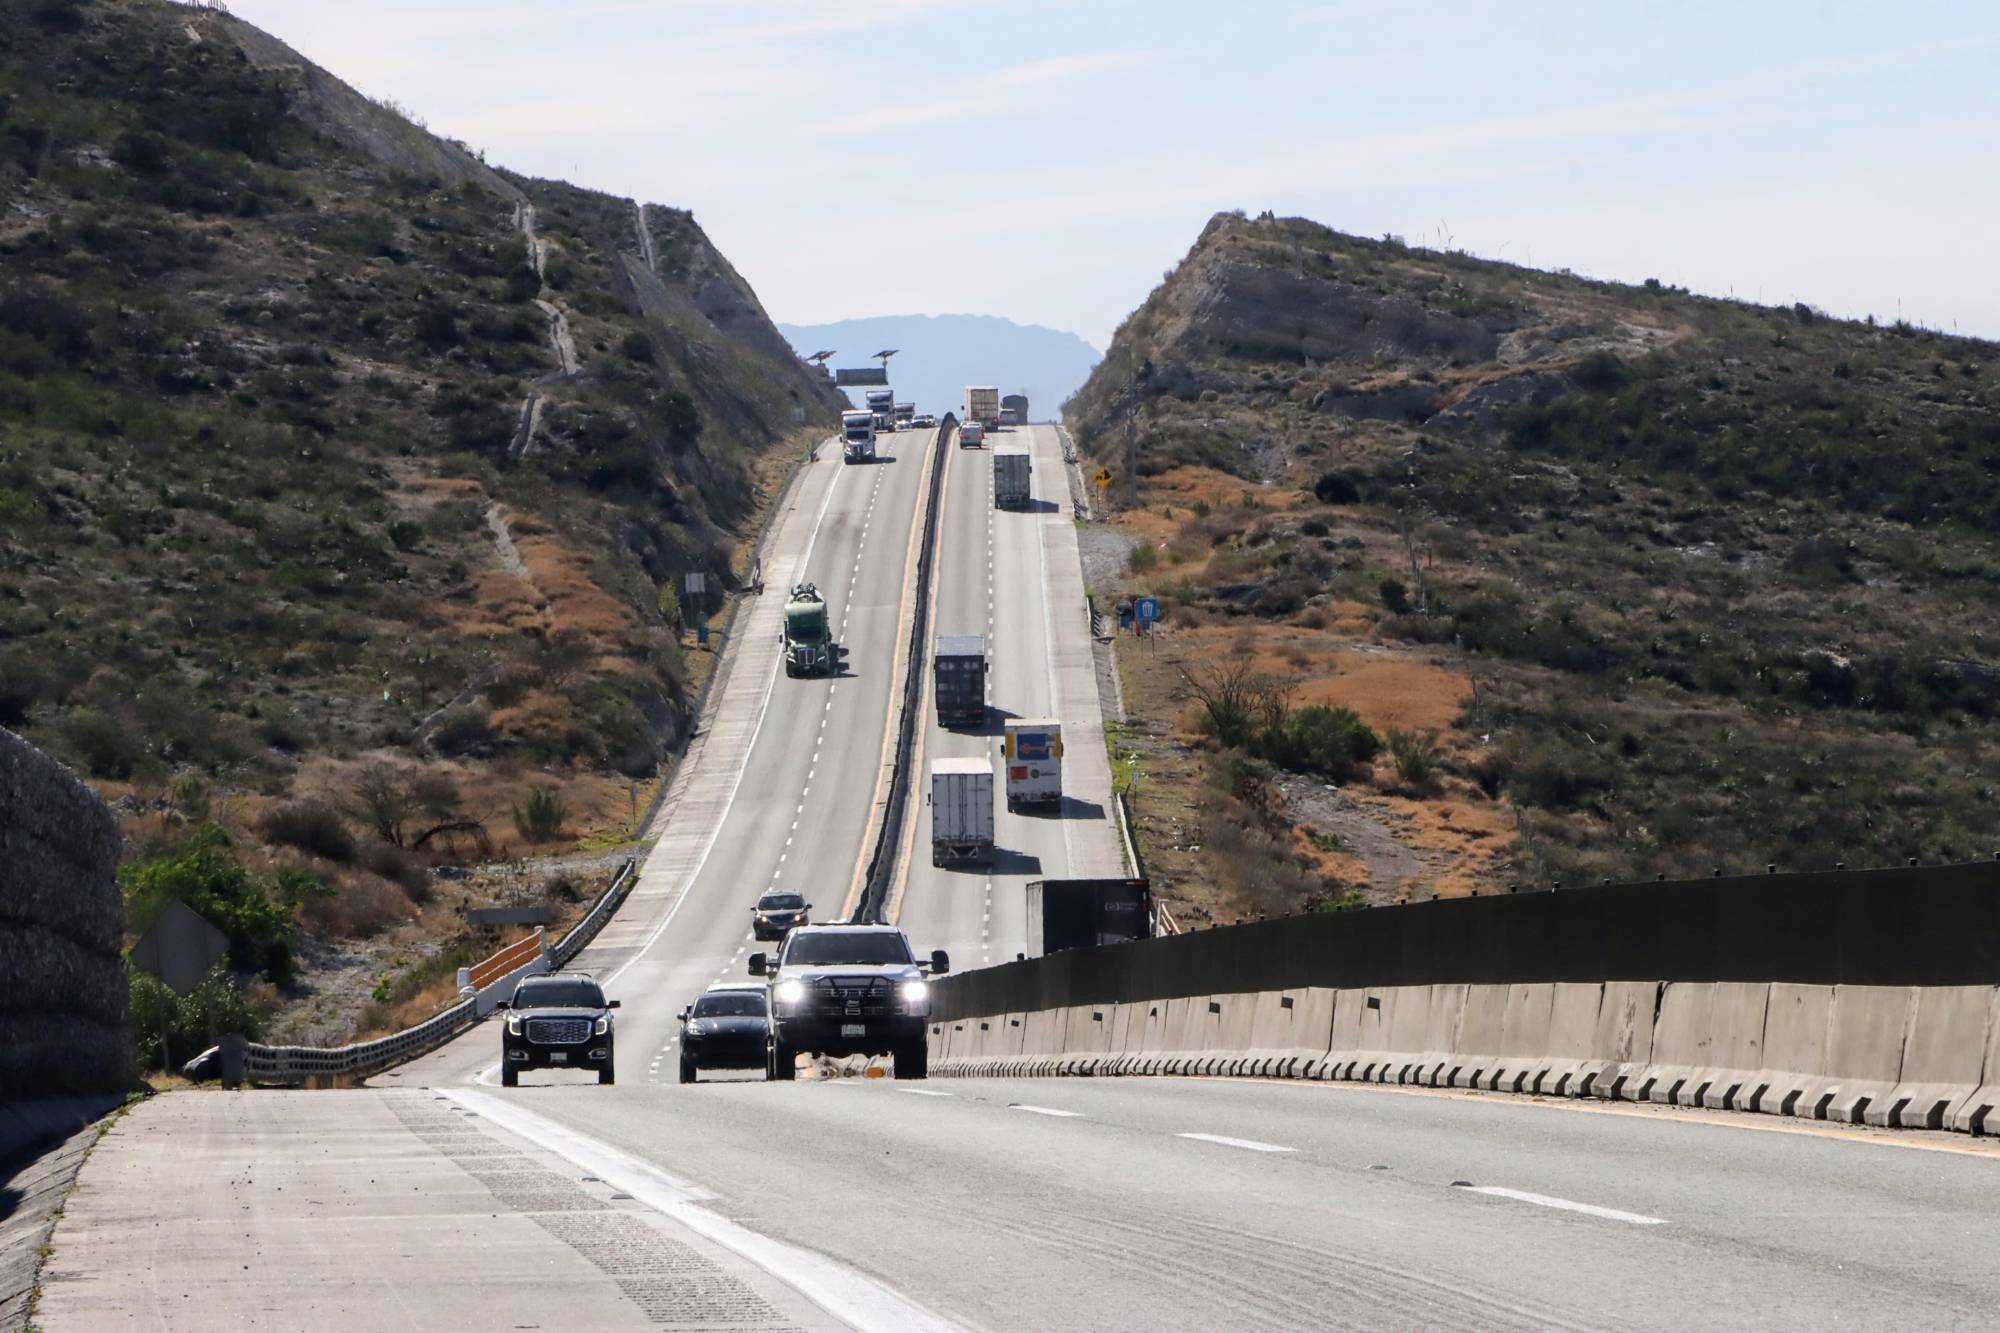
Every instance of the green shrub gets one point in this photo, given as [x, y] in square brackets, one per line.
[1142, 558]
[1395, 597]
[105, 747]
[1336, 488]
[463, 730]
[1330, 742]
[1418, 758]
[172, 1029]
[309, 825]
[253, 911]
[637, 347]
[540, 818]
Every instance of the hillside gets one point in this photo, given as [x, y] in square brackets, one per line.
[938, 355]
[1669, 583]
[329, 452]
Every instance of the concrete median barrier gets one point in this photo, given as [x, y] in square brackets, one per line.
[1573, 1009]
[1680, 1040]
[1524, 1036]
[1476, 1053]
[1622, 1045]
[1864, 1054]
[1444, 1013]
[1944, 1054]
[1090, 1029]
[1290, 1032]
[1732, 1078]
[1979, 1113]
[1797, 1024]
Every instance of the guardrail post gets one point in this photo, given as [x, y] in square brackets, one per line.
[466, 990]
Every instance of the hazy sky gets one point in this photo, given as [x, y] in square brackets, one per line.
[1047, 161]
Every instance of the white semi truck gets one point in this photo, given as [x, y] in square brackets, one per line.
[857, 437]
[882, 404]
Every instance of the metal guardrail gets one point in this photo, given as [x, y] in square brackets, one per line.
[882, 861]
[296, 1064]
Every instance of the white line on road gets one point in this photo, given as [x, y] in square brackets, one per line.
[1044, 1110]
[926, 1092]
[1250, 1145]
[1566, 1205]
[842, 1292]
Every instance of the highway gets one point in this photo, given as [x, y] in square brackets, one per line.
[436, 1198]
[996, 577]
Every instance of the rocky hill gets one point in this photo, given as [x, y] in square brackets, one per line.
[328, 448]
[1691, 582]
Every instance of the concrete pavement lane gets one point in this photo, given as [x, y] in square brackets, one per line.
[375, 1210]
[1157, 1203]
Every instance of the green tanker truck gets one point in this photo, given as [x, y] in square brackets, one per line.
[809, 646]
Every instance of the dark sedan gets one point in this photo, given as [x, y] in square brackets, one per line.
[777, 913]
[729, 1027]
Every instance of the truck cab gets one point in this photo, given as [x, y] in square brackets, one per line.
[857, 437]
[809, 646]
[882, 406]
[841, 990]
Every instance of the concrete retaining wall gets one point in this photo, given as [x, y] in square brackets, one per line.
[63, 1026]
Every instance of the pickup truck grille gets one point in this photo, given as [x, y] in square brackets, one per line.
[864, 997]
[558, 1031]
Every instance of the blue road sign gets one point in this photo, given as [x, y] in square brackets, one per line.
[1147, 608]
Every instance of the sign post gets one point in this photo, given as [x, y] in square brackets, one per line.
[696, 586]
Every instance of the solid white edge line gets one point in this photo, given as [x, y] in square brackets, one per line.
[1250, 1145]
[1044, 1110]
[926, 1092]
[847, 1295]
[1565, 1205]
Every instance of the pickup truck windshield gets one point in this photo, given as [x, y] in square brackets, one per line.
[558, 995]
[866, 948]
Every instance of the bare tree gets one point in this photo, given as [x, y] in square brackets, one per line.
[1237, 702]
[381, 799]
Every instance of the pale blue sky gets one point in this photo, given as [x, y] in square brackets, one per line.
[1047, 161]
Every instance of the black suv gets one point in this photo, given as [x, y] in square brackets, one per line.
[558, 1021]
[849, 990]
[778, 911]
[729, 1027]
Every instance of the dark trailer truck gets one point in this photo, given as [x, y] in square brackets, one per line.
[1080, 913]
[958, 665]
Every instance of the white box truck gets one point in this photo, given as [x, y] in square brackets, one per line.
[857, 437]
[961, 810]
[982, 404]
[1031, 752]
[1011, 487]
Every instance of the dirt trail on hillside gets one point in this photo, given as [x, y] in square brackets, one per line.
[561, 341]
[645, 238]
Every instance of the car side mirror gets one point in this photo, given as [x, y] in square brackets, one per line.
[614, 1004]
[757, 964]
[807, 908]
[683, 1014]
[940, 962]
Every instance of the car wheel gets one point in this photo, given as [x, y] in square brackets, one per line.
[509, 1076]
[689, 1073]
[913, 1058]
[607, 1075]
[782, 1065]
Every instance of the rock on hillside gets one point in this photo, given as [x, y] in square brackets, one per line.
[322, 441]
[1722, 577]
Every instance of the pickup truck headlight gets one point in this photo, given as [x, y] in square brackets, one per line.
[789, 991]
[513, 1025]
[916, 993]
[603, 1025]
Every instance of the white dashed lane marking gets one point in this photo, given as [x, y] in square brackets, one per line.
[1565, 1205]
[1250, 1145]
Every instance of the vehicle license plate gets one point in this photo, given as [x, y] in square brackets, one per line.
[853, 1029]
[559, 1057]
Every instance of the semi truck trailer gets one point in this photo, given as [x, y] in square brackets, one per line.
[1031, 750]
[958, 670]
[1080, 913]
[982, 404]
[1011, 487]
[961, 810]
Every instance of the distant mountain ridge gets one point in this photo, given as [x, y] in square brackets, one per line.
[938, 355]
